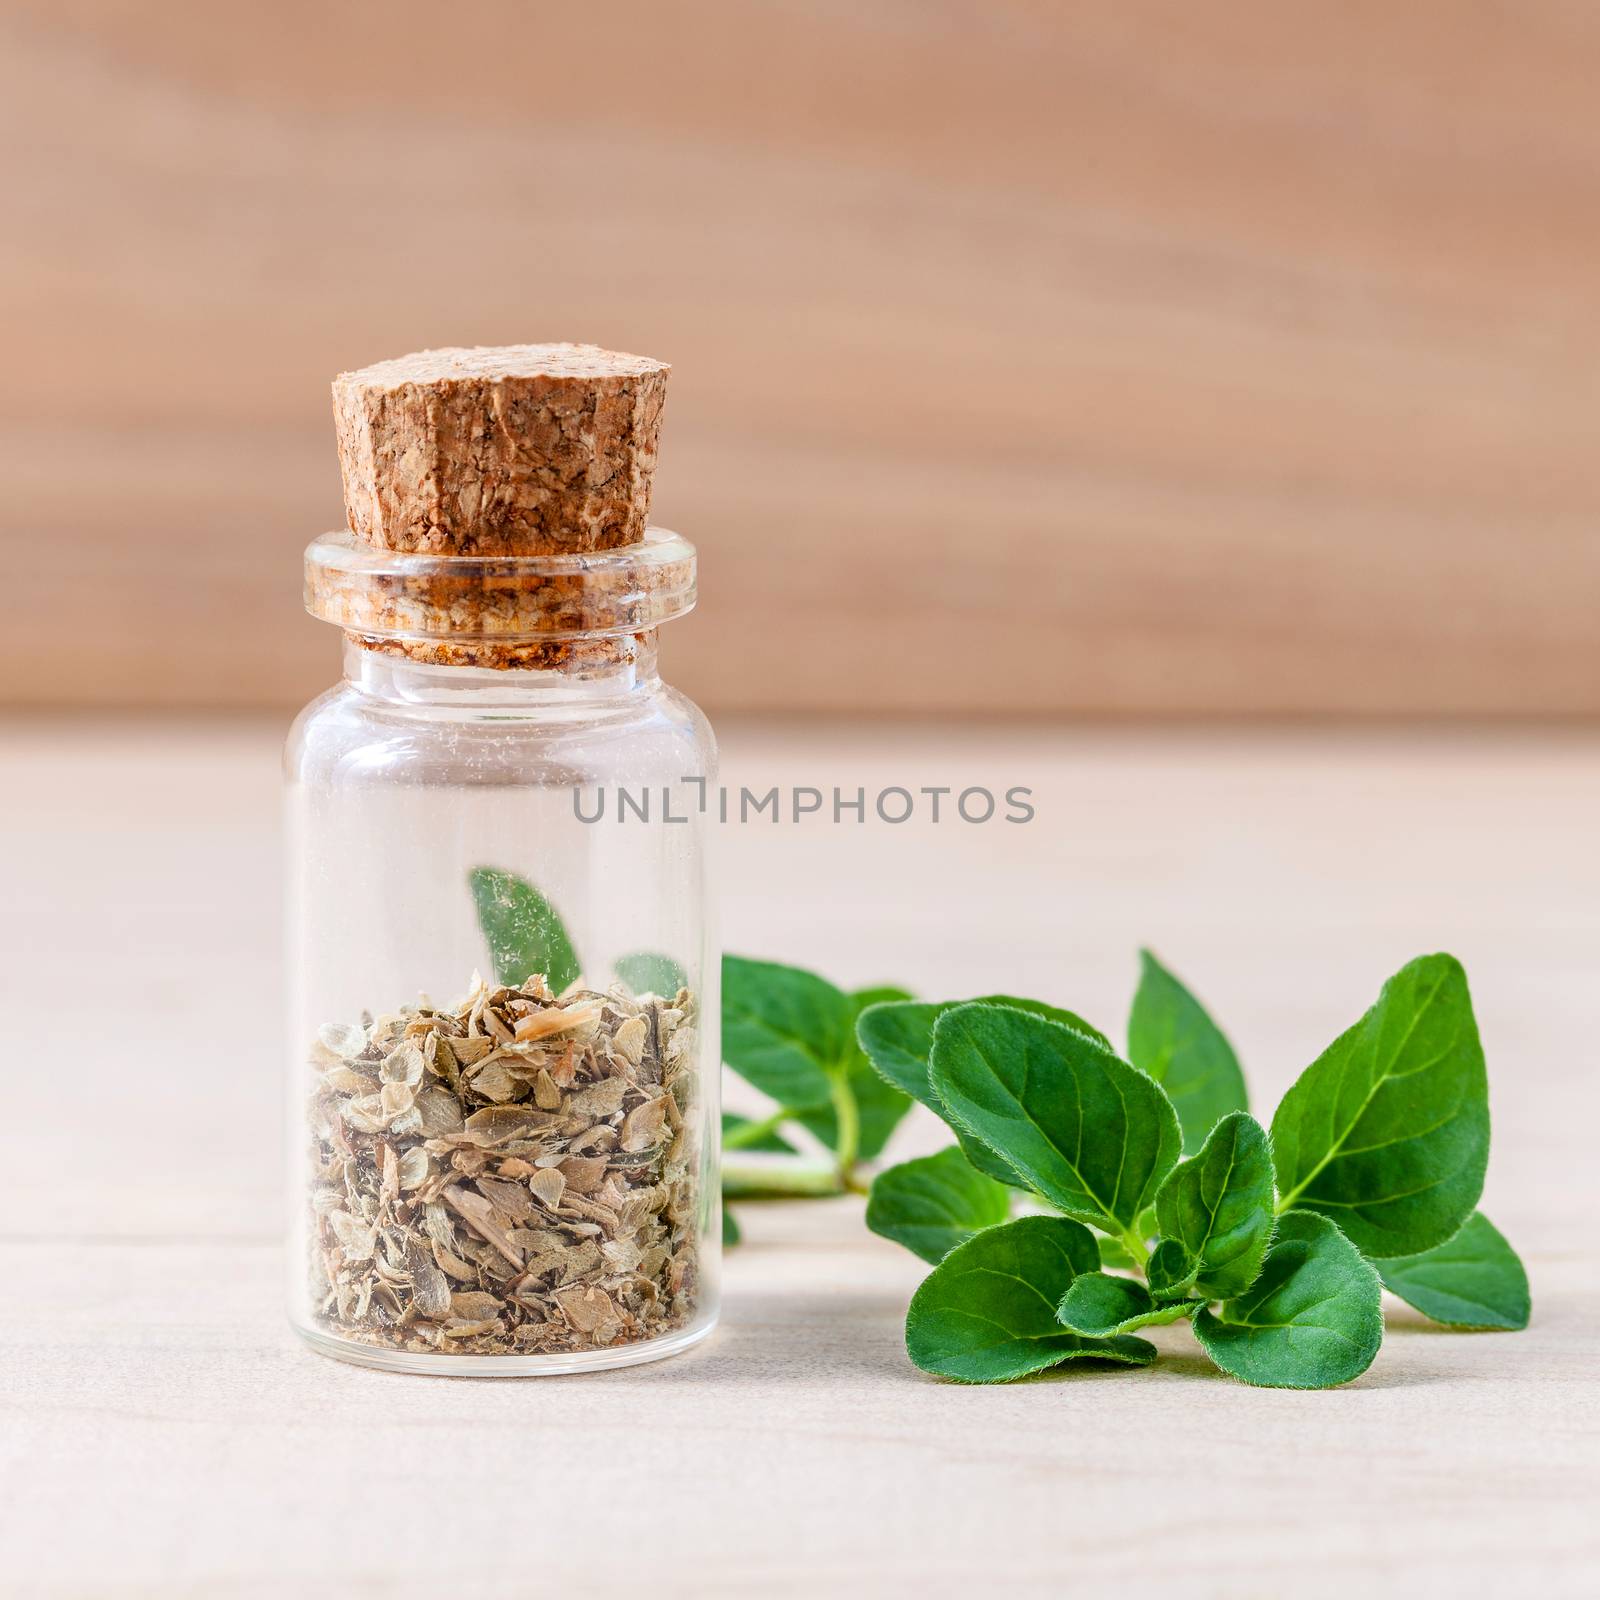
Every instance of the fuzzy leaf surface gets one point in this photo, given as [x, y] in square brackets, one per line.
[1218, 1206]
[1387, 1131]
[898, 1040]
[1313, 1319]
[1100, 1305]
[1171, 1270]
[935, 1203]
[1090, 1134]
[1172, 1037]
[1474, 1280]
[987, 1312]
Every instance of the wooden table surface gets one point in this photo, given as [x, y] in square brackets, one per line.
[161, 1433]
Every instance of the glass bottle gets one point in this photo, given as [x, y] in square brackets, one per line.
[503, 1019]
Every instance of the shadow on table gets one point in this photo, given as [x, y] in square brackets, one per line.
[1405, 1320]
[829, 1336]
[798, 1338]
[1188, 1365]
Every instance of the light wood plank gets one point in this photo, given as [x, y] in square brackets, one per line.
[162, 1434]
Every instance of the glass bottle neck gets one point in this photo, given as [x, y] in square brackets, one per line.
[492, 691]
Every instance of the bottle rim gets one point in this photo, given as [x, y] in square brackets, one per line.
[499, 599]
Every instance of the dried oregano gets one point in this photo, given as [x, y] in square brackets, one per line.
[518, 1175]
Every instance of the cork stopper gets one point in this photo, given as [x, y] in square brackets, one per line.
[497, 501]
[527, 449]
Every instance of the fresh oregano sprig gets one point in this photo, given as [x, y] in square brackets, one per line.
[1273, 1249]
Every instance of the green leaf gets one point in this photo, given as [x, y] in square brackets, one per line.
[1101, 1306]
[880, 1106]
[1474, 1280]
[898, 1040]
[935, 1203]
[524, 931]
[987, 1312]
[1092, 1135]
[1314, 1318]
[783, 1029]
[1170, 1271]
[1387, 1132]
[1218, 1206]
[647, 972]
[770, 1143]
[730, 1227]
[792, 1034]
[1172, 1037]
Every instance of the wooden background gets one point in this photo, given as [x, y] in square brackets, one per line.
[1144, 358]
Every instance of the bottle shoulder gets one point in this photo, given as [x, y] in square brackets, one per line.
[695, 724]
[346, 736]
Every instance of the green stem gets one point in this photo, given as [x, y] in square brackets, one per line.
[754, 1132]
[780, 1181]
[848, 1116]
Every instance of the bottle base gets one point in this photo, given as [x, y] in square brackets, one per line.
[530, 1366]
